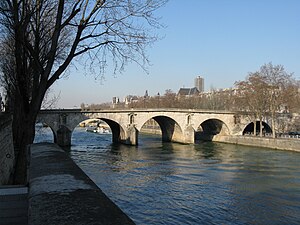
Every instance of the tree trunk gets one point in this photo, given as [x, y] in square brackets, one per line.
[254, 127]
[273, 125]
[23, 135]
[260, 127]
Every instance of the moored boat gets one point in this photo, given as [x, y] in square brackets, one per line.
[99, 130]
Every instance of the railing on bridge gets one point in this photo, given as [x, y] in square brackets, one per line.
[138, 110]
[278, 135]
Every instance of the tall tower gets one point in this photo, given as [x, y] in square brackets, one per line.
[199, 83]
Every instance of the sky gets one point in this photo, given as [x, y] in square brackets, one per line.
[219, 40]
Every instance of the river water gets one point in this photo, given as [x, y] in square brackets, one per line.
[204, 183]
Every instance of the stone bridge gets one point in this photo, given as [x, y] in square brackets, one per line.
[177, 125]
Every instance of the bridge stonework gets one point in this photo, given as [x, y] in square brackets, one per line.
[176, 125]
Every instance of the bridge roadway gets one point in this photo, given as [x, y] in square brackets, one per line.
[177, 125]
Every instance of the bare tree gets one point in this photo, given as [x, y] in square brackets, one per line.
[267, 92]
[251, 97]
[278, 87]
[168, 100]
[45, 36]
[291, 96]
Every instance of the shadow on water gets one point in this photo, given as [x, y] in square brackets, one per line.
[207, 149]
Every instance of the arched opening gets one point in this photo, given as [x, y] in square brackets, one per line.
[131, 119]
[151, 127]
[164, 126]
[44, 133]
[249, 129]
[118, 134]
[188, 120]
[210, 128]
[101, 128]
[95, 126]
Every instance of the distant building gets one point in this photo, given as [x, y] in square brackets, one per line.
[146, 94]
[186, 92]
[130, 99]
[199, 84]
[115, 100]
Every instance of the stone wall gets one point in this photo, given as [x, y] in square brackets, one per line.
[7, 157]
[278, 143]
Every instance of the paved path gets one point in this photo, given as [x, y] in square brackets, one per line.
[13, 205]
[61, 193]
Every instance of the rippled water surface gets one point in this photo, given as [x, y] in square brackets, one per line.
[205, 183]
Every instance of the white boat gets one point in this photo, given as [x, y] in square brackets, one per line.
[99, 130]
[102, 130]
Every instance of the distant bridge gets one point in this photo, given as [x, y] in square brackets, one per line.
[177, 125]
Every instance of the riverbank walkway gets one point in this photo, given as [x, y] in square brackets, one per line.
[59, 193]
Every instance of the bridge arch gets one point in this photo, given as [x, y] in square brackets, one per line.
[170, 129]
[118, 132]
[41, 127]
[63, 129]
[249, 128]
[209, 128]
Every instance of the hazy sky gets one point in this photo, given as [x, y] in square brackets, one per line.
[220, 40]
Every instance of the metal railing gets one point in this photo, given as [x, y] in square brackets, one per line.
[278, 135]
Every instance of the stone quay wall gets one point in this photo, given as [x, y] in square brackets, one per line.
[265, 142]
[7, 157]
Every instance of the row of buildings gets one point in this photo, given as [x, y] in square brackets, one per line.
[196, 90]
